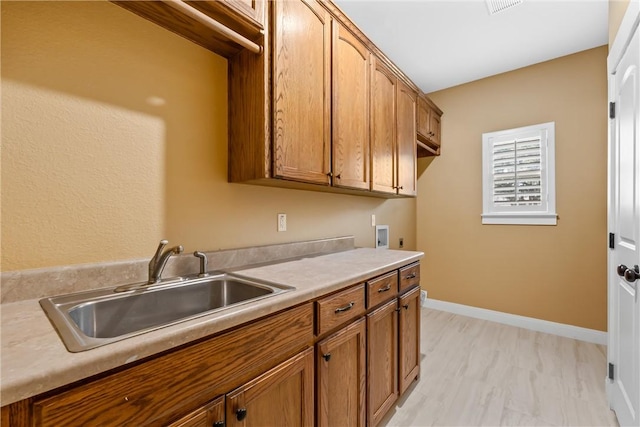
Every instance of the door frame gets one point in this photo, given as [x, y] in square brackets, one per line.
[630, 22]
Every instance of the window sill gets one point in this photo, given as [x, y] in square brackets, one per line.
[520, 219]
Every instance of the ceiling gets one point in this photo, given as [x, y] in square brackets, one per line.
[444, 43]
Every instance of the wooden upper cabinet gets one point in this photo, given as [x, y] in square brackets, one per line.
[351, 60]
[301, 92]
[244, 17]
[434, 127]
[341, 377]
[428, 128]
[406, 140]
[282, 396]
[423, 117]
[210, 415]
[383, 128]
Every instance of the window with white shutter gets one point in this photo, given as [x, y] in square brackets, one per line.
[519, 176]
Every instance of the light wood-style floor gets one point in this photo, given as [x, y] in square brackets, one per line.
[475, 372]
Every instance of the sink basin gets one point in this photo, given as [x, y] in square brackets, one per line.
[87, 320]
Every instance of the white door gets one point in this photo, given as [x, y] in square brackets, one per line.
[624, 222]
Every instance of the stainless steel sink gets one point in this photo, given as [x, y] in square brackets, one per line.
[87, 320]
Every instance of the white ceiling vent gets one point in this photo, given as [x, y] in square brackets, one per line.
[496, 6]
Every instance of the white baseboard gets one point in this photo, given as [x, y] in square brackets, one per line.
[561, 329]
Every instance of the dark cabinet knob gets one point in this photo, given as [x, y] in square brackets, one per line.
[241, 414]
[339, 176]
[218, 424]
[406, 306]
[621, 270]
[326, 356]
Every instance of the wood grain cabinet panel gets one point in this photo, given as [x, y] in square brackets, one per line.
[382, 289]
[339, 308]
[245, 17]
[409, 340]
[383, 128]
[409, 276]
[301, 92]
[428, 127]
[342, 377]
[350, 73]
[406, 140]
[281, 397]
[210, 415]
[382, 361]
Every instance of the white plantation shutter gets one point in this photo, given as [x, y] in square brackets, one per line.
[518, 176]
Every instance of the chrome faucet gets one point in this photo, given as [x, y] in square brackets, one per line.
[159, 260]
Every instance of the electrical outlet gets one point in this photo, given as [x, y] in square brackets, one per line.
[401, 243]
[373, 220]
[282, 222]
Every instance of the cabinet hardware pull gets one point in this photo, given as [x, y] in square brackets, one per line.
[397, 310]
[330, 174]
[326, 356]
[241, 414]
[346, 307]
[410, 276]
[214, 25]
[406, 306]
[339, 176]
[218, 424]
[385, 289]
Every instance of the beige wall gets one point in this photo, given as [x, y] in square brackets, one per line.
[555, 273]
[617, 8]
[114, 135]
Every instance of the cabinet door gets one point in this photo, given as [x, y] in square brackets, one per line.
[382, 335]
[210, 415]
[434, 127]
[423, 118]
[282, 396]
[301, 91]
[341, 379]
[409, 354]
[406, 140]
[350, 110]
[383, 128]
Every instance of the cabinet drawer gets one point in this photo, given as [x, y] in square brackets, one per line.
[382, 289]
[339, 308]
[409, 276]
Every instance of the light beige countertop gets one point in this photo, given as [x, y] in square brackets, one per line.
[35, 360]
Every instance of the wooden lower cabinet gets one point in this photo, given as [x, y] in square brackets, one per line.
[382, 362]
[409, 340]
[263, 373]
[210, 415]
[282, 396]
[341, 377]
